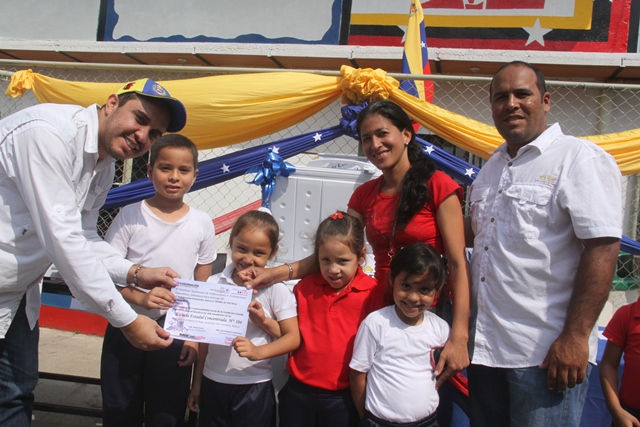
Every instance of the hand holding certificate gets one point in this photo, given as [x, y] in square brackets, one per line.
[208, 312]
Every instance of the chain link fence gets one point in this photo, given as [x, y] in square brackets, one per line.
[581, 109]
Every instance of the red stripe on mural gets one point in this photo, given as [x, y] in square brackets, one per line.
[72, 320]
[226, 221]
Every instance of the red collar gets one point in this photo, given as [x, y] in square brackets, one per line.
[358, 284]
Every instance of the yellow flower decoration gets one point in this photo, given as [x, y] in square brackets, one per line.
[21, 81]
[365, 85]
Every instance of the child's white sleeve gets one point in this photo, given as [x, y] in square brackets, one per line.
[283, 303]
[207, 253]
[364, 348]
[442, 329]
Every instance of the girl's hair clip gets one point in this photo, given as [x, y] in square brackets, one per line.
[337, 215]
[264, 209]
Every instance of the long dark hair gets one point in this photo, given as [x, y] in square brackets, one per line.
[415, 193]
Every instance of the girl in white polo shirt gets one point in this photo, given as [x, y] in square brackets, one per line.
[232, 384]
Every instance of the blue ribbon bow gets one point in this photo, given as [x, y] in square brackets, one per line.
[349, 117]
[272, 166]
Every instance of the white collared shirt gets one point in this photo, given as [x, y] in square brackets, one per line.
[223, 364]
[51, 188]
[529, 216]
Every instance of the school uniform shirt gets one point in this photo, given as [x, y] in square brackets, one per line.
[328, 325]
[51, 189]
[529, 215]
[145, 239]
[223, 364]
[623, 330]
[401, 384]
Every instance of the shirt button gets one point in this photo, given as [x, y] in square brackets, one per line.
[493, 219]
[486, 248]
[510, 163]
[482, 279]
[500, 190]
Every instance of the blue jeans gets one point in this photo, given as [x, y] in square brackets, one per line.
[520, 397]
[18, 370]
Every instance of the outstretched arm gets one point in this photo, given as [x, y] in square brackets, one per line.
[568, 356]
[455, 356]
[256, 277]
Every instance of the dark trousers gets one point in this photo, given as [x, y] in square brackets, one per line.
[18, 370]
[371, 420]
[237, 405]
[303, 405]
[142, 386]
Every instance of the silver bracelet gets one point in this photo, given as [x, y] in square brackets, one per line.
[135, 275]
[290, 270]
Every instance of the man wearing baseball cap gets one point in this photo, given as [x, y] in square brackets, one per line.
[56, 167]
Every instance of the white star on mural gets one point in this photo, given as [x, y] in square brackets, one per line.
[404, 29]
[469, 172]
[423, 44]
[276, 150]
[429, 149]
[317, 137]
[225, 168]
[536, 33]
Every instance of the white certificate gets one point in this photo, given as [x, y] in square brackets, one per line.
[208, 312]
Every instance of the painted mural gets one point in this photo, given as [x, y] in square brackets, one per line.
[558, 25]
[240, 21]
[551, 25]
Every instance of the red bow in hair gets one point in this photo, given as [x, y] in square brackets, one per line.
[337, 215]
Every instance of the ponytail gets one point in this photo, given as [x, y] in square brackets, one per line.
[415, 192]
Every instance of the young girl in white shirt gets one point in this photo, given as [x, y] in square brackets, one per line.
[232, 384]
[392, 377]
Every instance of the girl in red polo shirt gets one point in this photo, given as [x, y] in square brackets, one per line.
[331, 306]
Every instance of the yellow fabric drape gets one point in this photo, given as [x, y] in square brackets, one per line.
[221, 110]
[224, 110]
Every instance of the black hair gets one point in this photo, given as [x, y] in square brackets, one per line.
[126, 97]
[173, 140]
[342, 226]
[260, 220]
[415, 192]
[540, 82]
[420, 259]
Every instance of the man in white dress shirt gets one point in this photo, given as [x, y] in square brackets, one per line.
[56, 167]
[546, 215]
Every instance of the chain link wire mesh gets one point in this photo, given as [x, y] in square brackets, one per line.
[580, 109]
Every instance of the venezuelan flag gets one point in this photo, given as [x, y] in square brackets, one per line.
[415, 59]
